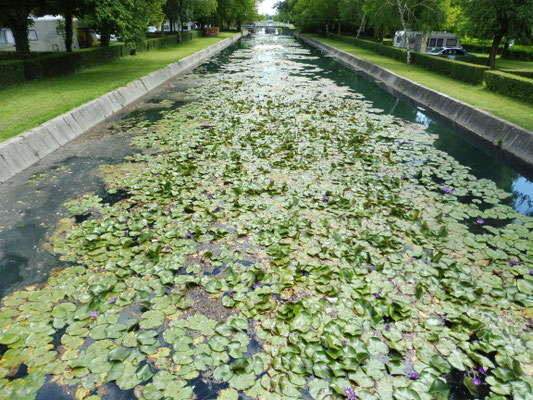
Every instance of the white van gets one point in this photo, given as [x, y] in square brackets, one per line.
[425, 41]
[46, 34]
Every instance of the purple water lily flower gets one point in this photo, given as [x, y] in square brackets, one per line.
[482, 370]
[480, 221]
[168, 291]
[189, 235]
[158, 175]
[168, 208]
[377, 295]
[387, 327]
[230, 294]
[350, 394]
[428, 251]
[513, 261]
[414, 375]
[443, 183]
[531, 272]
[94, 314]
[112, 299]
[209, 196]
[404, 177]
[476, 382]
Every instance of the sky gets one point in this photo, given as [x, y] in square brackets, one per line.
[267, 7]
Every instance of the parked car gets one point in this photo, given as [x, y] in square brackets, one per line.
[450, 52]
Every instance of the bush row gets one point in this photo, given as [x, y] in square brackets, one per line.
[456, 69]
[44, 65]
[522, 73]
[511, 54]
[510, 85]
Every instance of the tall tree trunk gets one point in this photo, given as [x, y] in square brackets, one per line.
[494, 50]
[506, 45]
[68, 31]
[163, 29]
[327, 30]
[362, 26]
[20, 33]
[339, 31]
[105, 38]
[402, 20]
[180, 25]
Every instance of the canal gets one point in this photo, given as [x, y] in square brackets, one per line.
[272, 225]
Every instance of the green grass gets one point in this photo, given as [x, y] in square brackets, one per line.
[501, 106]
[30, 104]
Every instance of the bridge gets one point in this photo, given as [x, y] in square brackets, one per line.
[269, 27]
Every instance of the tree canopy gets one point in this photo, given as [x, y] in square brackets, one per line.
[128, 19]
[485, 19]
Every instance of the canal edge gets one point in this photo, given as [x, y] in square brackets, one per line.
[29, 147]
[502, 134]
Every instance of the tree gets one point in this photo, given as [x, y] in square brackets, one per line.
[69, 9]
[496, 19]
[129, 19]
[15, 16]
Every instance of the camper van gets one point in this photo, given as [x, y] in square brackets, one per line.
[425, 41]
[45, 34]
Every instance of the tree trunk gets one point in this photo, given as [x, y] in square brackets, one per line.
[20, 33]
[327, 30]
[163, 29]
[179, 29]
[362, 26]
[402, 20]
[68, 31]
[506, 48]
[105, 38]
[340, 25]
[494, 50]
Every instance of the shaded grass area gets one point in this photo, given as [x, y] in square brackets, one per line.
[479, 96]
[32, 103]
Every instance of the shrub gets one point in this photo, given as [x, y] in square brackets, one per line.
[519, 72]
[465, 72]
[11, 72]
[473, 60]
[456, 69]
[510, 85]
[47, 64]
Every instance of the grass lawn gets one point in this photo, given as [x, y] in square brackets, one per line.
[30, 104]
[501, 106]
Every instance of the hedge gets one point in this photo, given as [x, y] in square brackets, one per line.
[456, 69]
[519, 72]
[510, 85]
[48, 64]
[511, 54]
[11, 73]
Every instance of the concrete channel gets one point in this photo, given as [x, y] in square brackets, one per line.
[510, 138]
[28, 148]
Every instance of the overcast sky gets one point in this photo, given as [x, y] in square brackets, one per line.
[267, 7]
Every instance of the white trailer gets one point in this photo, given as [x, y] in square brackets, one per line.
[45, 34]
[425, 41]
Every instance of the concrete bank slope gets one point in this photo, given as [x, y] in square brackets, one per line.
[27, 148]
[509, 137]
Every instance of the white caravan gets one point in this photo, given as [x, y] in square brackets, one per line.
[425, 41]
[46, 34]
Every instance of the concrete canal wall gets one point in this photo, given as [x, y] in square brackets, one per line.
[511, 138]
[26, 149]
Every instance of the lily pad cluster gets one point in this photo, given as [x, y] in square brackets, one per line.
[282, 239]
